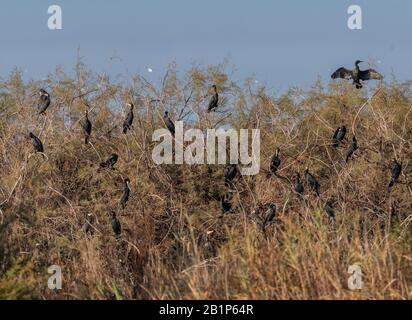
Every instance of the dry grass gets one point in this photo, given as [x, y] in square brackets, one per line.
[174, 243]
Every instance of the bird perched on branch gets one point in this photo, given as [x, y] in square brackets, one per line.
[126, 193]
[36, 142]
[116, 227]
[214, 101]
[169, 123]
[396, 170]
[230, 173]
[270, 215]
[110, 161]
[352, 148]
[275, 163]
[87, 226]
[357, 75]
[44, 101]
[339, 135]
[329, 209]
[127, 123]
[87, 127]
[299, 188]
[226, 202]
[312, 181]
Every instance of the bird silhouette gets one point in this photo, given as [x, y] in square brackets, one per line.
[357, 75]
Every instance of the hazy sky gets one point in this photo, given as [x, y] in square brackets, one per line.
[283, 43]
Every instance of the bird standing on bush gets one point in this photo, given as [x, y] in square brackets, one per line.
[110, 162]
[214, 101]
[396, 170]
[169, 123]
[36, 142]
[44, 101]
[116, 227]
[275, 163]
[312, 181]
[127, 124]
[87, 127]
[126, 193]
[339, 135]
[352, 148]
[357, 75]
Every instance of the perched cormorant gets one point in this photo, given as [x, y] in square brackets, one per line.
[127, 124]
[87, 227]
[126, 193]
[87, 127]
[353, 147]
[311, 180]
[36, 142]
[270, 215]
[116, 227]
[169, 123]
[329, 209]
[396, 169]
[226, 202]
[299, 185]
[339, 135]
[214, 101]
[230, 173]
[357, 75]
[110, 162]
[44, 101]
[275, 162]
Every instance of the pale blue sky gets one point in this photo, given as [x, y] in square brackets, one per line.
[284, 43]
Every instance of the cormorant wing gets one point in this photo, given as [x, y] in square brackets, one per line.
[370, 74]
[342, 73]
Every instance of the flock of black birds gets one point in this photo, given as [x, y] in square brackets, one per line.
[231, 171]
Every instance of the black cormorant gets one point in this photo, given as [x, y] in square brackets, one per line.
[352, 148]
[230, 173]
[312, 182]
[396, 169]
[116, 227]
[127, 123]
[87, 127]
[87, 227]
[339, 135]
[299, 185]
[110, 162]
[275, 162]
[169, 123]
[36, 142]
[270, 215]
[357, 75]
[44, 101]
[226, 202]
[214, 101]
[126, 193]
[329, 209]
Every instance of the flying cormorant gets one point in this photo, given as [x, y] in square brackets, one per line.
[357, 75]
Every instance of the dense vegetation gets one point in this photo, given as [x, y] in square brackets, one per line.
[175, 242]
